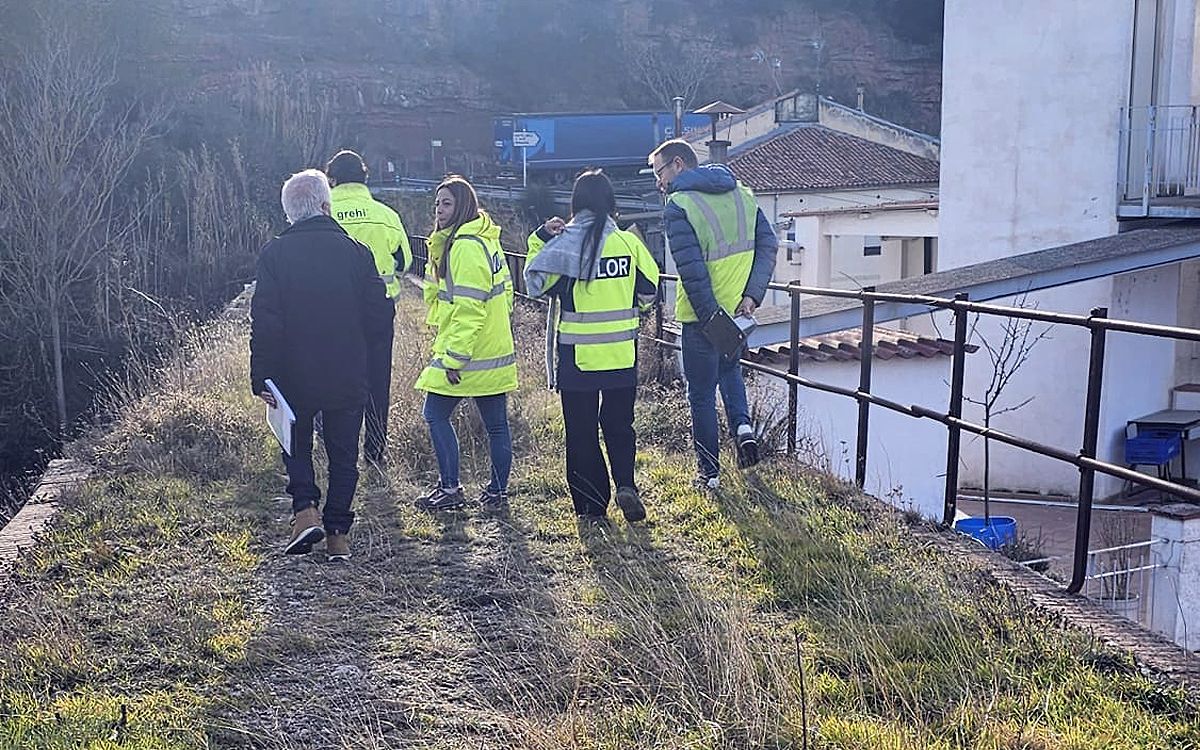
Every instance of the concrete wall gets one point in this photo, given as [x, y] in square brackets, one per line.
[1031, 101]
[820, 260]
[905, 456]
[853, 122]
[1030, 107]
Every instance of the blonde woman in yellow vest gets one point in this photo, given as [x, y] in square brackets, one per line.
[379, 228]
[724, 249]
[473, 353]
[599, 278]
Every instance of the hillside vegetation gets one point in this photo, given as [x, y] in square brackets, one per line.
[160, 614]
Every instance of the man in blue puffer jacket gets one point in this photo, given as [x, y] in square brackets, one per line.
[722, 265]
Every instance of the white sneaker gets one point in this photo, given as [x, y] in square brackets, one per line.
[747, 447]
[707, 484]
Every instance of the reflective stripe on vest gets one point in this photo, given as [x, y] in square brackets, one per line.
[479, 364]
[471, 292]
[387, 277]
[742, 244]
[597, 338]
[459, 357]
[604, 316]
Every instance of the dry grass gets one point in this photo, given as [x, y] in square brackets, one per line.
[726, 621]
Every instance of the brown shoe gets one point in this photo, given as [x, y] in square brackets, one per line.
[306, 531]
[337, 547]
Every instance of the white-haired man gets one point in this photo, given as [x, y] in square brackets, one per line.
[317, 302]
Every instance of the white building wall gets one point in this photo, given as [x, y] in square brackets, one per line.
[1031, 101]
[905, 457]
[821, 258]
[1031, 98]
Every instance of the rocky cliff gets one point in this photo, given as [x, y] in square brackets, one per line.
[401, 75]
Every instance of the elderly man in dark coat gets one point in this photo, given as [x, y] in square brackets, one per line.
[317, 302]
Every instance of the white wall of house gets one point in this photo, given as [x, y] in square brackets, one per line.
[827, 245]
[853, 122]
[905, 456]
[1031, 98]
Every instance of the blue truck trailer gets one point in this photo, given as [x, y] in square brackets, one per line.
[569, 142]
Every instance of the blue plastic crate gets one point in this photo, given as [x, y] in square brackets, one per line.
[1152, 449]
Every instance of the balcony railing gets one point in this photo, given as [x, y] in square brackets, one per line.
[1159, 169]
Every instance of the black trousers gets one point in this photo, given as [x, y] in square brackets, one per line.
[339, 430]
[585, 414]
[379, 391]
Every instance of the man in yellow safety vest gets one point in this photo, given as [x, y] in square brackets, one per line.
[379, 228]
[724, 250]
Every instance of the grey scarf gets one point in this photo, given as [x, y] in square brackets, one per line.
[564, 255]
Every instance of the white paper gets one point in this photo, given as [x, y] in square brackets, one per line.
[280, 417]
[746, 324]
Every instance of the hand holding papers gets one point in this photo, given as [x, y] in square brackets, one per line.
[280, 417]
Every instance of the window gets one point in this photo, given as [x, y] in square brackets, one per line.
[872, 246]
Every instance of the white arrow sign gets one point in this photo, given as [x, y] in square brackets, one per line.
[525, 139]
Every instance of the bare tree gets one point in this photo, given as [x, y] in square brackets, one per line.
[669, 68]
[1017, 339]
[65, 150]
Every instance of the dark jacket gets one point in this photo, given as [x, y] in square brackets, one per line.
[317, 301]
[685, 248]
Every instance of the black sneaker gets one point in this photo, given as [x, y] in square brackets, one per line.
[492, 500]
[442, 498]
[630, 504]
[747, 448]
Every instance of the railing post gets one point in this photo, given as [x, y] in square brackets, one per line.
[953, 433]
[1091, 434]
[659, 375]
[1148, 173]
[793, 370]
[866, 354]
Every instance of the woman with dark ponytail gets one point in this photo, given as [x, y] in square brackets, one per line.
[598, 278]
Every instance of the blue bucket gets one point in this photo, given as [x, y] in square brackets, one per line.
[1000, 531]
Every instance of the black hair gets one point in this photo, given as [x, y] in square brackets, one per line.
[593, 192]
[346, 166]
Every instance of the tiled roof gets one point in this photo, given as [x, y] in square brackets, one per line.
[847, 345]
[812, 157]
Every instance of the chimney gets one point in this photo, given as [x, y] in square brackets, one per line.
[718, 150]
[861, 90]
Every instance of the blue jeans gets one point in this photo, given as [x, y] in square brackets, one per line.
[705, 372]
[339, 430]
[494, 412]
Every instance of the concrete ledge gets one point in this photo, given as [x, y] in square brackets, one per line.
[1150, 651]
[21, 532]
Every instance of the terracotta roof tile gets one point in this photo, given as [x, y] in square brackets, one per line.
[847, 345]
[811, 157]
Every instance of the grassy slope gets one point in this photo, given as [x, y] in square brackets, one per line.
[159, 614]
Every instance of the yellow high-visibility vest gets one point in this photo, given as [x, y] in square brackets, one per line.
[375, 225]
[603, 327]
[724, 224]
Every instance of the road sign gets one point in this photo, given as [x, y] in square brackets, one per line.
[525, 139]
